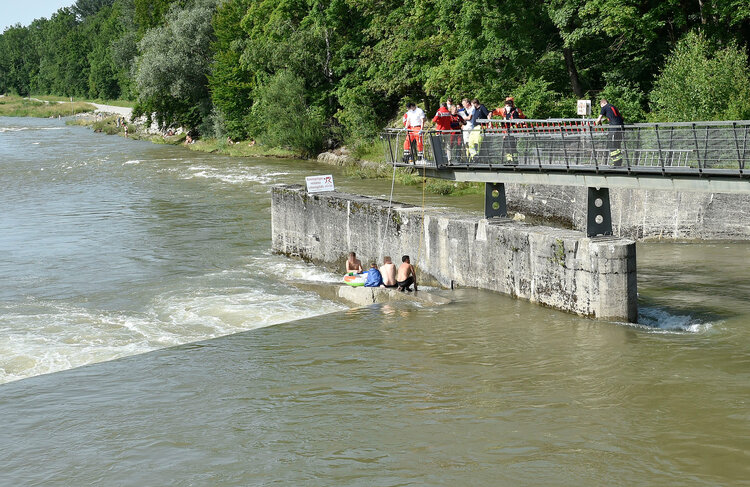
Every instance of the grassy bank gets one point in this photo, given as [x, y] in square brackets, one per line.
[15, 106]
[413, 177]
[245, 148]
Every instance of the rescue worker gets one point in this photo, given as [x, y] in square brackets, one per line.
[442, 118]
[414, 122]
[442, 121]
[509, 112]
[455, 140]
[615, 132]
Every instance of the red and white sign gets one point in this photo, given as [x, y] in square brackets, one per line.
[317, 184]
[584, 108]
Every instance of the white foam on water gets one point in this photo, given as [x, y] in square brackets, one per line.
[21, 129]
[301, 271]
[134, 161]
[236, 175]
[661, 320]
[48, 337]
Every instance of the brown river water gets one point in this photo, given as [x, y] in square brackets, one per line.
[149, 336]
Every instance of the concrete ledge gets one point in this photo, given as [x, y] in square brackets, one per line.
[559, 268]
[364, 296]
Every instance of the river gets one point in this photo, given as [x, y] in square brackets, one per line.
[150, 337]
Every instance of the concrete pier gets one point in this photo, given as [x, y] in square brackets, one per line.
[559, 268]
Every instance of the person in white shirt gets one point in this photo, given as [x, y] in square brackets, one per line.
[414, 123]
[466, 112]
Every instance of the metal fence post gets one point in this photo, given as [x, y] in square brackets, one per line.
[593, 150]
[658, 146]
[737, 145]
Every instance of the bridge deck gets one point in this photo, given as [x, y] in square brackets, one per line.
[700, 156]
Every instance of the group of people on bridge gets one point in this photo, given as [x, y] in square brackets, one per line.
[461, 121]
[462, 124]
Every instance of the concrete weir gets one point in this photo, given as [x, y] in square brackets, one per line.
[555, 267]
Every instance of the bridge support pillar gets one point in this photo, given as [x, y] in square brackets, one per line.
[599, 216]
[494, 200]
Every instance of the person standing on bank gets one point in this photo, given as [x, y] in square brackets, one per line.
[616, 130]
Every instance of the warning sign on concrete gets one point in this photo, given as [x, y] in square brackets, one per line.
[317, 184]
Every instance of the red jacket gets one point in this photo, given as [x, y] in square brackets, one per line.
[443, 119]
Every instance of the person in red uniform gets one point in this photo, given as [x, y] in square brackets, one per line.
[414, 122]
[509, 111]
[442, 118]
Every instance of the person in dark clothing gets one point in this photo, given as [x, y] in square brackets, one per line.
[480, 112]
[474, 143]
[509, 112]
[616, 130]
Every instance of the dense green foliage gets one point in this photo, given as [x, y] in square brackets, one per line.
[308, 74]
[699, 81]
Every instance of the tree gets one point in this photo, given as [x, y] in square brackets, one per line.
[86, 8]
[172, 69]
[16, 65]
[230, 83]
[699, 82]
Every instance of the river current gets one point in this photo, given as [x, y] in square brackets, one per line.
[137, 297]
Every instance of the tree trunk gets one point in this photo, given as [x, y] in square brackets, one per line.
[572, 72]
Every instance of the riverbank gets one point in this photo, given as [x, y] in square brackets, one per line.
[16, 106]
[367, 162]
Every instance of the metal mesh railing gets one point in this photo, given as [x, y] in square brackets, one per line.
[575, 144]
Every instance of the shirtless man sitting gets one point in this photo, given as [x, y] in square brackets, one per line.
[406, 275]
[388, 271]
[353, 264]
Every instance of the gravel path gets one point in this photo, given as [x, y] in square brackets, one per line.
[121, 111]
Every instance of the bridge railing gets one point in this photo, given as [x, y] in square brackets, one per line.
[579, 145]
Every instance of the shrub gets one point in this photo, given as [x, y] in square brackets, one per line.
[698, 83]
[288, 121]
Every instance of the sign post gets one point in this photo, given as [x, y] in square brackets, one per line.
[318, 184]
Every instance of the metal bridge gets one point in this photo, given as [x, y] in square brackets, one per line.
[694, 156]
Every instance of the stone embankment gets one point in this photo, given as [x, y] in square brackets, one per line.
[364, 296]
[559, 268]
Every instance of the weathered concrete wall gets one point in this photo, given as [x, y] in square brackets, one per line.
[641, 213]
[555, 267]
